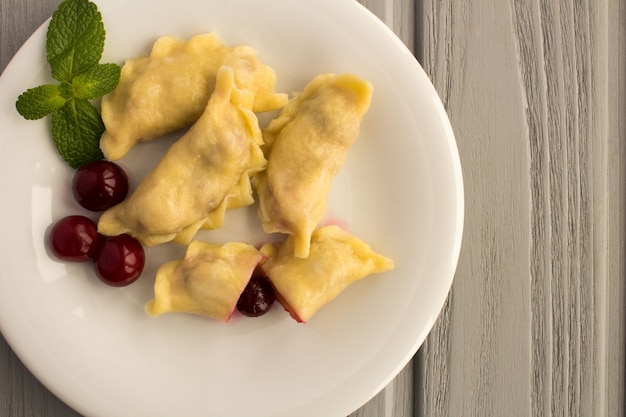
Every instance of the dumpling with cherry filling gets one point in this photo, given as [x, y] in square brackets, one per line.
[336, 260]
[169, 89]
[208, 281]
[204, 173]
[305, 147]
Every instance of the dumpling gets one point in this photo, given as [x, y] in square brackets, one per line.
[169, 89]
[204, 173]
[336, 260]
[306, 147]
[207, 281]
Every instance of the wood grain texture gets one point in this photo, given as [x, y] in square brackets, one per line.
[615, 310]
[21, 395]
[535, 320]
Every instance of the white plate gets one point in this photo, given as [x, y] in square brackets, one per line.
[400, 191]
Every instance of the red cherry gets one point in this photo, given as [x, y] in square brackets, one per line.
[99, 185]
[74, 239]
[119, 260]
[258, 296]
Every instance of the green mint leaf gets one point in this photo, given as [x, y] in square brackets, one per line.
[97, 81]
[76, 130]
[74, 46]
[75, 39]
[36, 103]
[67, 90]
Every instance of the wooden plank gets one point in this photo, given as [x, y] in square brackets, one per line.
[465, 363]
[614, 389]
[535, 98]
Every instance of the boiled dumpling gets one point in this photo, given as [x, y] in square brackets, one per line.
[169, 89]
[306, 147]
[207, 281]
[336, 260]
[204, 173]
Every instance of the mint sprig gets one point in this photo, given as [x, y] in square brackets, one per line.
[74, 46]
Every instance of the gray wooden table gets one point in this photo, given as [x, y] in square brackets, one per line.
[535, 322]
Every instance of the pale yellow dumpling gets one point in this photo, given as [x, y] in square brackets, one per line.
[204, 173]
[207, 281]
[169, 89]
[336, 260]
[306, 147]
